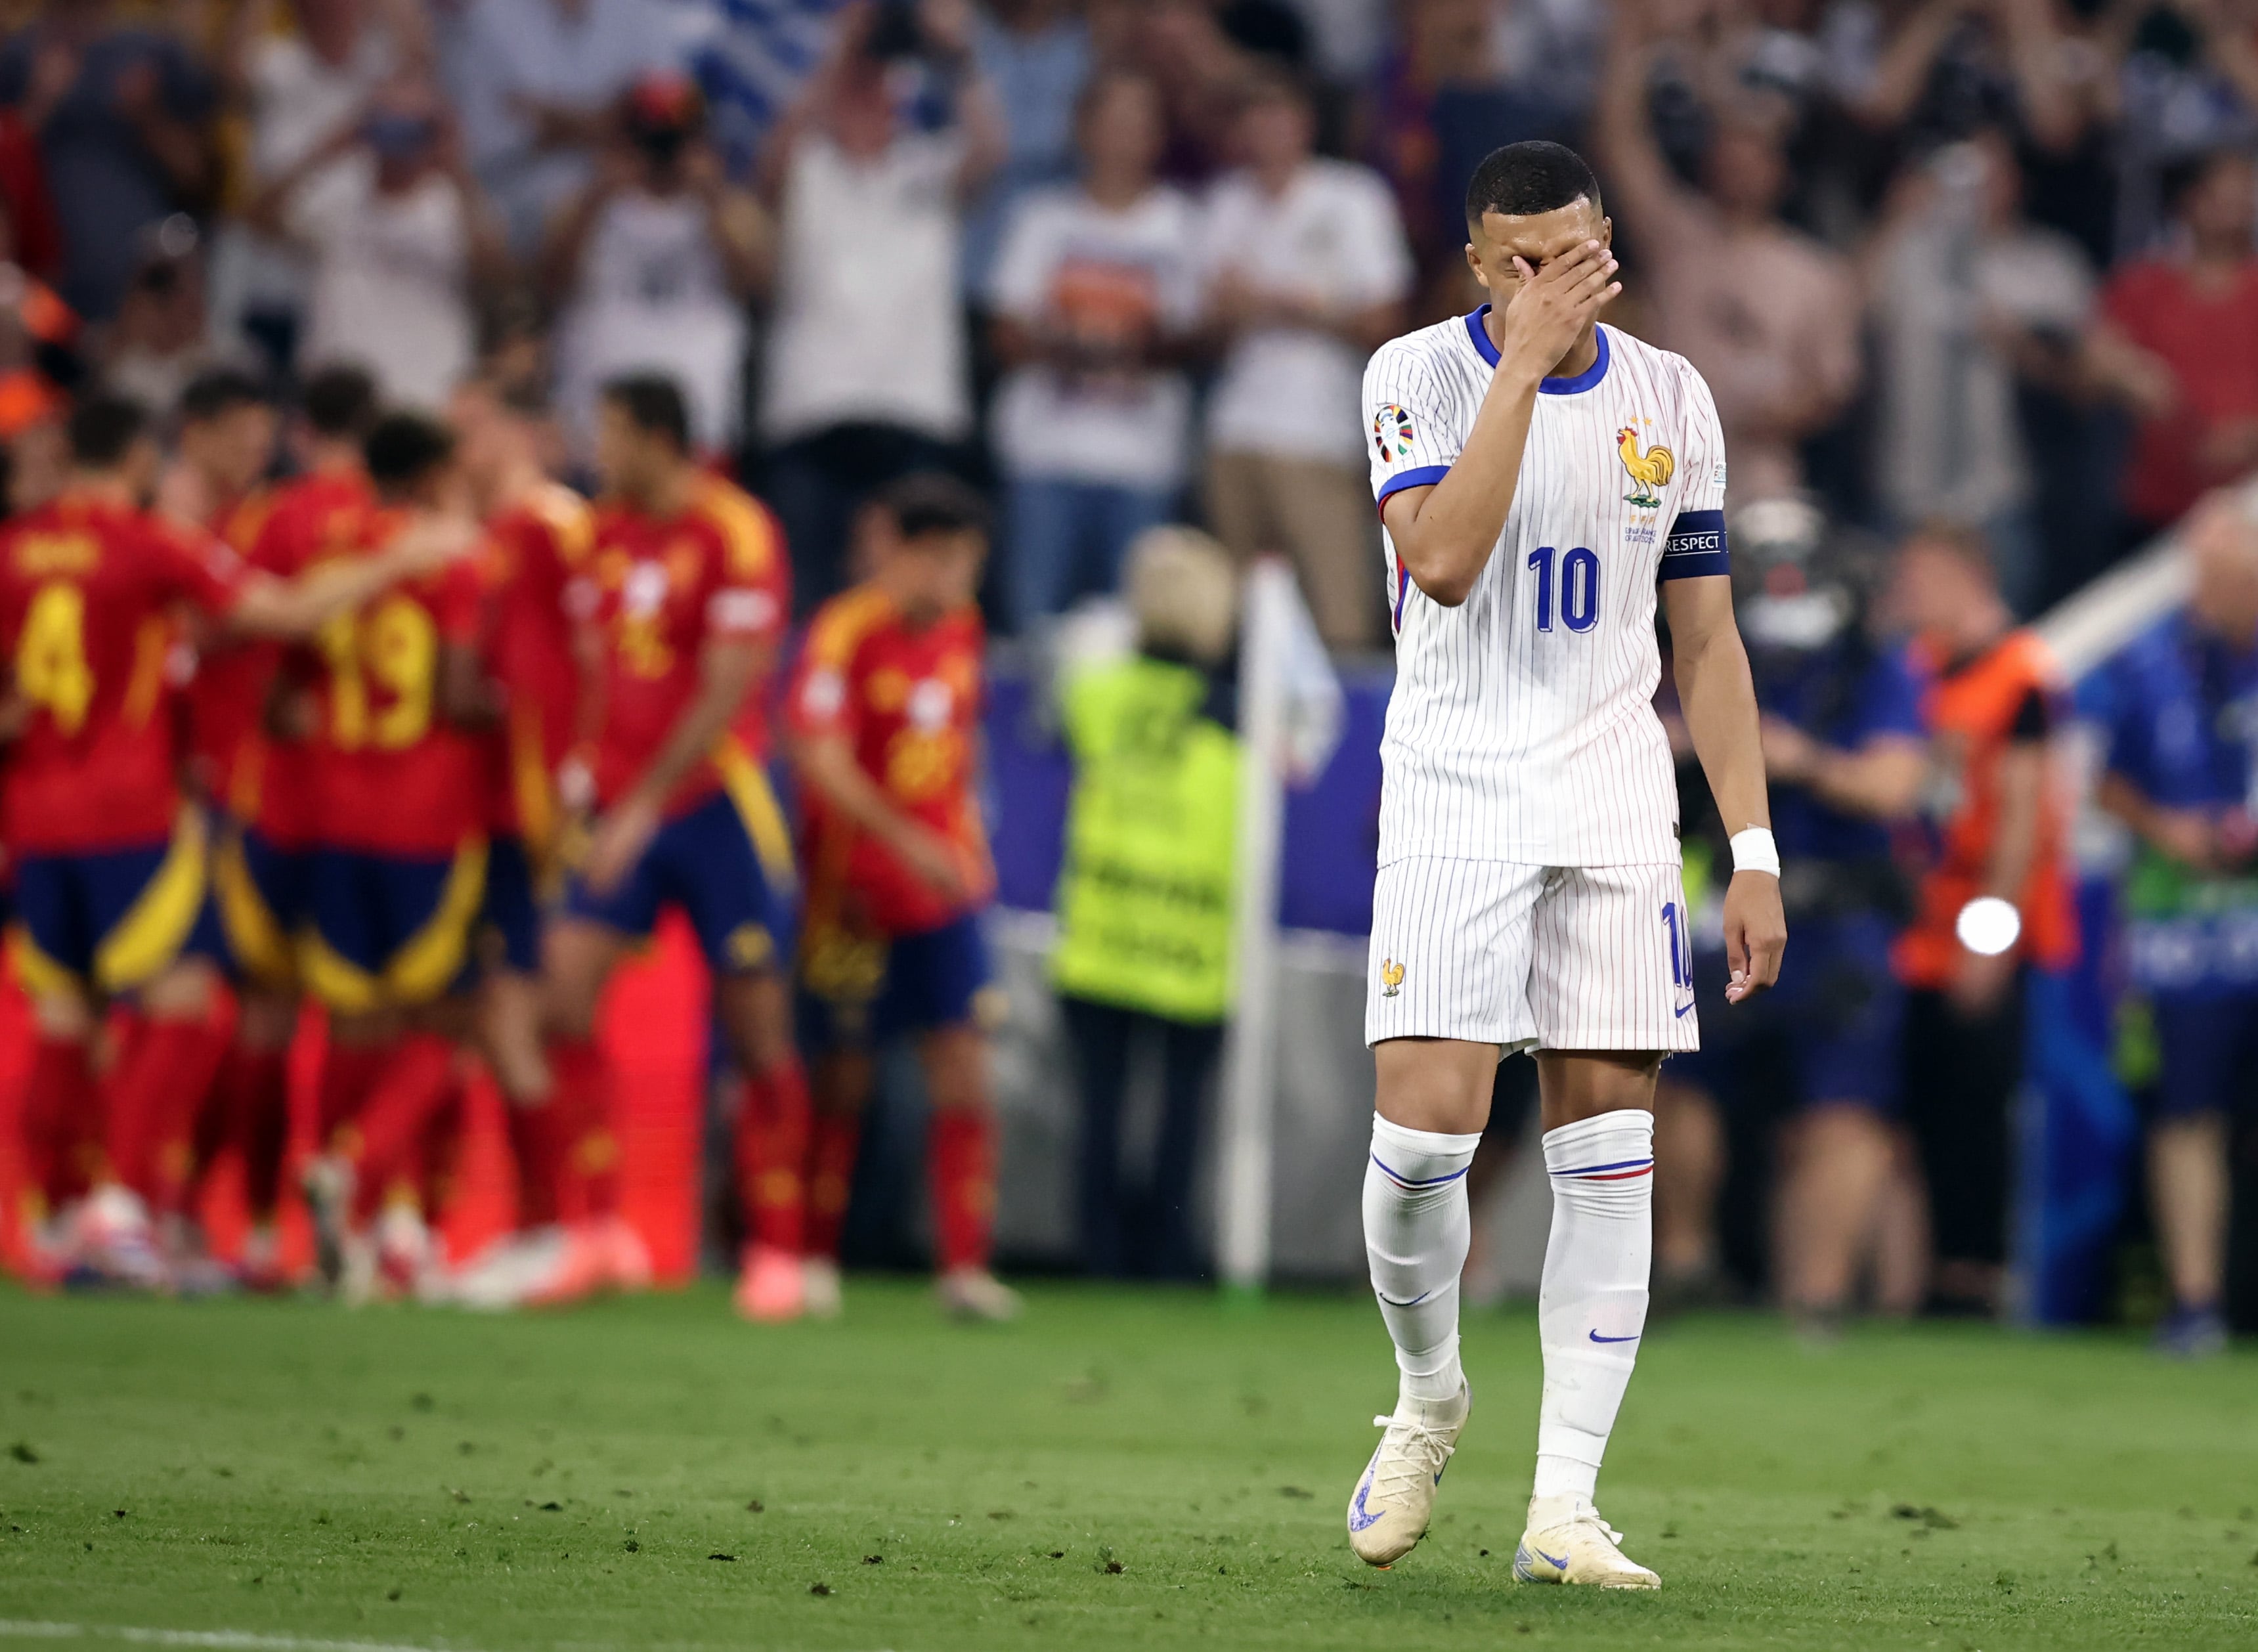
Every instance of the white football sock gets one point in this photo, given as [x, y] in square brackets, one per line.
[1591, 1310]
[1417, 1229]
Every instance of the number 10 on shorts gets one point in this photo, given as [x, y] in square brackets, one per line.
[1577, 577]
[1677, 921]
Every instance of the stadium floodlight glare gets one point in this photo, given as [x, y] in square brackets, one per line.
[1989, 925]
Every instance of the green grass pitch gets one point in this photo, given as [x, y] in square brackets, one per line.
[1120, 1469]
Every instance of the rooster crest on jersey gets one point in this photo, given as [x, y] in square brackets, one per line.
[1391, 978]
[1651, 470]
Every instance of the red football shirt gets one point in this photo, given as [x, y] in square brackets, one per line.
[660, 590]
[391, 774]
[908, 702]
[271, 784]
[225, 702]
[514, 615]
[2210, 342]
[87, 589]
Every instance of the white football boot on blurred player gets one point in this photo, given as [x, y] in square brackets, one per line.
[328, 1181]
[974, 1293]
[1389, 1510]
[1568, 1542]
[820, 1294]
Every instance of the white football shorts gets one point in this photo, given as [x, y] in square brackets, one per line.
[1531, 957]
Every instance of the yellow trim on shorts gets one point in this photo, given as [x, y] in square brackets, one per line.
[39, 976]
[147, 941]
[755, 801]
[255, 936]
[425, 965]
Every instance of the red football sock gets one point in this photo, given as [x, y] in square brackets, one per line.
[166, 1072]
[538, 1142]
[772, 1138]
[416, 1084]
[442, 1150]
[256, 1084]
[589, 1189]
[349, 1072]
[833, 1141]
[960, 1160]
[59, 1118]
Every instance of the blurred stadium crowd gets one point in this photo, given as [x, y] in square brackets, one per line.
[1973, 282]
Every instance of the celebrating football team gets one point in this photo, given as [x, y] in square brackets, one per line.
[422, 738]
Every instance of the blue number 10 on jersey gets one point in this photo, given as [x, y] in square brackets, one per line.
[1579, 587]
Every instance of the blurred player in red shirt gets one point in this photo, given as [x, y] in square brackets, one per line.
[885, 725]
[512, 659]
[253, 712]
[400, 821]
[110, 858]
[686, 599]
[215, 485]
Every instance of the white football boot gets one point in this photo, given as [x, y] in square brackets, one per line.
[1568, 1542]
[1389, 1510]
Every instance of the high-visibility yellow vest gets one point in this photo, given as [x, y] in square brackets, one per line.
[1143, 898]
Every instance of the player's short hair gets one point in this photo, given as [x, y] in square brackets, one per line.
[103, 427]
[403, 448]
[934, 502]
[339, 401]
[219, 391]
[1522, 179]
[653, 403]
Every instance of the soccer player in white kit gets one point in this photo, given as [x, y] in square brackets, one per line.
[1541, 479]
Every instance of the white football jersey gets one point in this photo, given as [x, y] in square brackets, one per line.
[1522, 727]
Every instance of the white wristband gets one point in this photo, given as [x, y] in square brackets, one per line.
[1754, 851]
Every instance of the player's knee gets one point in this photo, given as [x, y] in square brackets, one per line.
[184, 990]
[64, 1015]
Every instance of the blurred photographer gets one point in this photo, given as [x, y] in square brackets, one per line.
[865, 373]
[651, 266]
[1845, 758]
[402, 240]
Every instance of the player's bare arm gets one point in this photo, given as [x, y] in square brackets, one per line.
[291, 608]
[828, 763]
[727, 674]
[1718, 701]
[1549, 276]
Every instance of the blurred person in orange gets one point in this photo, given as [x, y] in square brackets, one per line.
[1994, 897]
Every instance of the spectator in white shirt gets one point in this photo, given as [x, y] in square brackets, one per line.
[652, 266]
[1307, 271]
[1096, 295]
[402, 243]
[295, 91]
[865, 376]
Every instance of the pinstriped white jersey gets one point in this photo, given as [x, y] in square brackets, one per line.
[1522, 727]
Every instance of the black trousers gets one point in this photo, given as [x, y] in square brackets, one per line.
[1143, 1232]
[1962, 1073]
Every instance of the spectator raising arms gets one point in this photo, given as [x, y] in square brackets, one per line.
[402, 240]
[119, 113]
[1307, 273]
[295, 89]
[537, 82]
[1768, 315]
[866, 376]
[652, 265]
[1094, 296]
